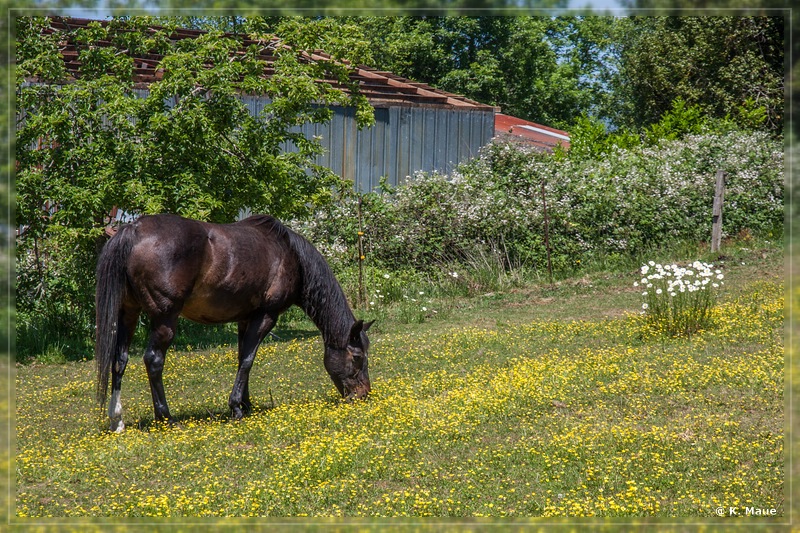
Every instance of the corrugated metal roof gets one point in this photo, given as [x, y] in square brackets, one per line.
[381, 88]
[523, 131]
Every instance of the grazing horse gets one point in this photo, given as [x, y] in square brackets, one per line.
[248, 272]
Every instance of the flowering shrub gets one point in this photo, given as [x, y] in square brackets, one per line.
[678, 300]
[618, 205]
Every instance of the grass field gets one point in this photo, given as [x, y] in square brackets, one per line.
[538, 402]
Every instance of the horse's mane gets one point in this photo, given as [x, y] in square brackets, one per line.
[269, 223]
[322, 298]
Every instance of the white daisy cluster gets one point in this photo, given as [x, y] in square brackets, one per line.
[674, 279]
[678, 299]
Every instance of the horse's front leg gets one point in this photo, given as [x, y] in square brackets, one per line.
[161, 334]
[251, 333]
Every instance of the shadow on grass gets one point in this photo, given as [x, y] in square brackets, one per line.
[218, 415]
[290, 334]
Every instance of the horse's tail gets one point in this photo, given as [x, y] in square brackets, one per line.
[111, 283]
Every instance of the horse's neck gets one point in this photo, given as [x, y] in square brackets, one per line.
[334, 322]
[325, 303]
[321, 296]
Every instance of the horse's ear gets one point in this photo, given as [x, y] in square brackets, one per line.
[355, 331]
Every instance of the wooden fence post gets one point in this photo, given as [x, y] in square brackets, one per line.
[716, 215]
[547, 234]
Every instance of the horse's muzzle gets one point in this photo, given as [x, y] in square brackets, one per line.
[358, 392]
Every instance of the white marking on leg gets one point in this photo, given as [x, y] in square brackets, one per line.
[115, 412]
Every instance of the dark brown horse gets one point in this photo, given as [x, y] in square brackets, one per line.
[248, 272]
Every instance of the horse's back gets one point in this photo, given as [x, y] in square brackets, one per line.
[211, 272]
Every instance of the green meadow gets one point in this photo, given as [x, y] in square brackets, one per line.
[537, 401]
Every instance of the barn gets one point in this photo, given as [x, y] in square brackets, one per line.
[417, 127]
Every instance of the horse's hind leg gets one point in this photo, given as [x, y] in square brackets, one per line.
[247, 406]
[127, 326]
[162, 331]
[251, 333]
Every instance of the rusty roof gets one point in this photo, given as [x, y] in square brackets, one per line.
[530, 133]
[381, 88]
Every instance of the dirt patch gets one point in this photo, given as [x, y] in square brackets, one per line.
[529, 303]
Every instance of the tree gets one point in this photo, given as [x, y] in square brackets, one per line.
[730, 66]
[6, 201]
[539, 68]
[87, 145]
[744, 8]
[625, 71]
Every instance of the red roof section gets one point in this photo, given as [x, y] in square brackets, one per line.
[518, 130]
[379, 87]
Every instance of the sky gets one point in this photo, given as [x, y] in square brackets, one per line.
[599, 5]
[100, 12]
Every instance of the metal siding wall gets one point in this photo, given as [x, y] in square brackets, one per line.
[418, 142]
[372, 163]
[368, 157]
[465, 130]
[452, 139]
[350, 139]
[337, 143]
[440, 160]
[402, 131]
[429, 132]
[390, 145]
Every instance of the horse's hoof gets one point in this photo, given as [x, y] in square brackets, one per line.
[236, 413]
[117, 426]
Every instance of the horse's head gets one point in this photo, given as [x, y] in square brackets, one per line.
[348, 366]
